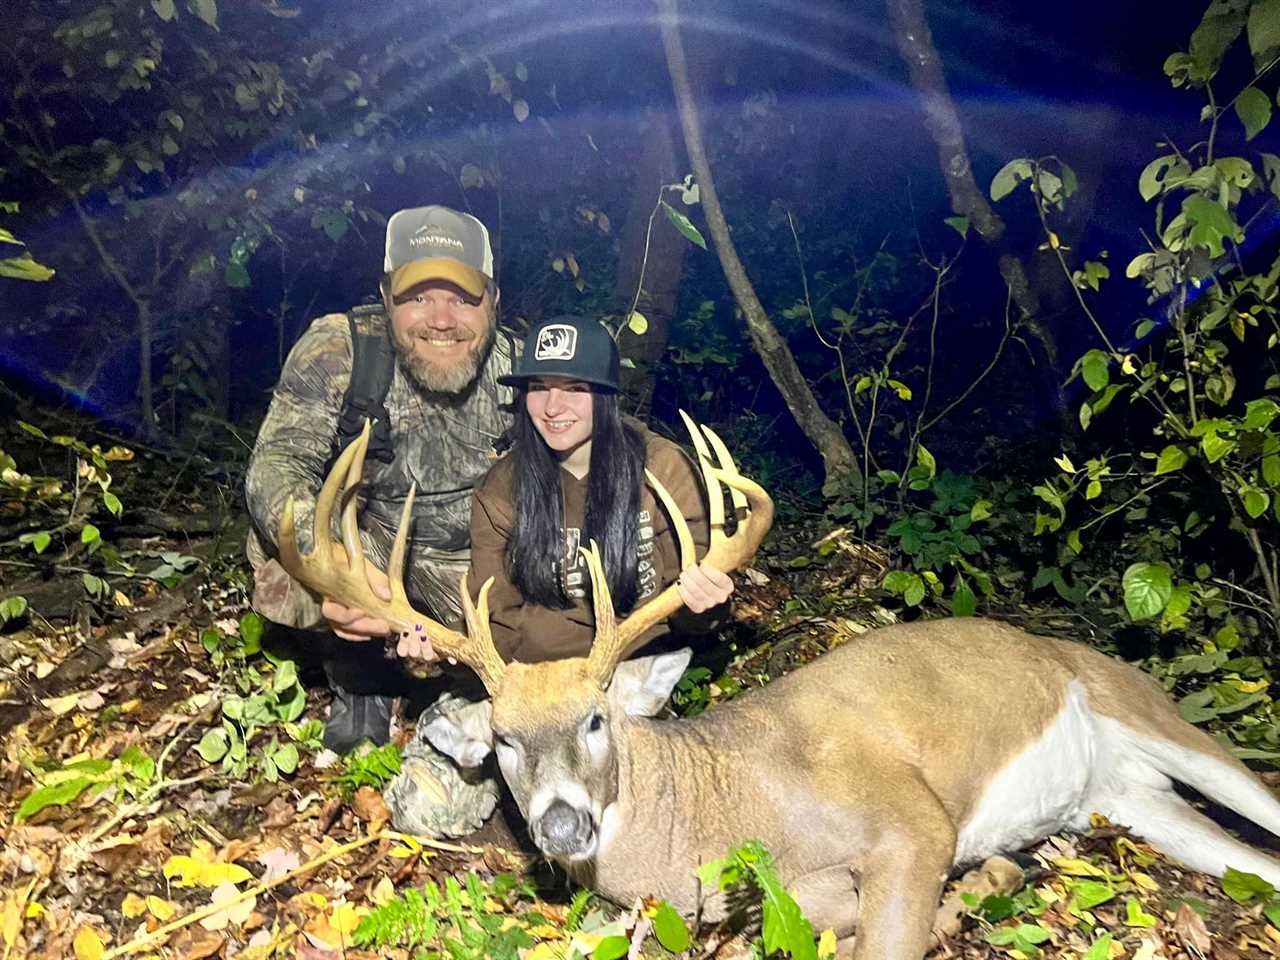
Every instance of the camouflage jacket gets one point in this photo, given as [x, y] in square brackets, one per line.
[443, 445]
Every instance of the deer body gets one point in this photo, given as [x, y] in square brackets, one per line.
[874, 771]
[870, 774]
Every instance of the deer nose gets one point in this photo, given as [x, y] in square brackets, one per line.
[562, 830]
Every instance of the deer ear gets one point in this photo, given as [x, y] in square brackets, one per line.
[640, 687]
[464, 734]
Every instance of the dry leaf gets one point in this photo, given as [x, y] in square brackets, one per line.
[162, 909]
[278, 862]
[369, 805]
[235, 913]
[200, 869]
[346, 917]
[1190, 928]
[87, 944]
[91, 701]
[43, 669]
[384, 891]
[133, 906]
[196, 944]
[61, 705]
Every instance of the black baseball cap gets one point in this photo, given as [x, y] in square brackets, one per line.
[579, 348]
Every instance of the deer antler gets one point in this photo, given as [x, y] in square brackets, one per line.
[754, 509]
[329, 574]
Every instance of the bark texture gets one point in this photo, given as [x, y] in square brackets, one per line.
[915, 44]
[839, 460]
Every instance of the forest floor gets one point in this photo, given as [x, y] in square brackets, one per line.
[121, 839]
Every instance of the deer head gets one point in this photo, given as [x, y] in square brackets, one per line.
[555, 726]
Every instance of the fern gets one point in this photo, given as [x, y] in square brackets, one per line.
[374, 768]
[577, 910]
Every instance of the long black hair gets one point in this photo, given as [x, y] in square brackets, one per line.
[536, 553]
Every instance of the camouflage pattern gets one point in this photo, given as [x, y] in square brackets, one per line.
[431, 795]
[443, 444]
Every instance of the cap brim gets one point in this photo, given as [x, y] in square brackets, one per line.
[515, 378]
[447, 269]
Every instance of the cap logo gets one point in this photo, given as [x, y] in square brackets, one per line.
[426, 236]
[556, 341]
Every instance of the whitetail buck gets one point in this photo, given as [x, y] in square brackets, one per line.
[870, 773]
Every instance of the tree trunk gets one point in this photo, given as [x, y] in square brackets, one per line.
[840, 462]
[915, 44]
[651, 258]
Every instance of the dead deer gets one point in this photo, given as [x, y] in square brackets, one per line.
[870, 774]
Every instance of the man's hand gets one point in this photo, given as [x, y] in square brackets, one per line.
[703, 587]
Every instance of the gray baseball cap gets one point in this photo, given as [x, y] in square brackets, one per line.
[437, 243]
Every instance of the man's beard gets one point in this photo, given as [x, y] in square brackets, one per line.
[453, 378]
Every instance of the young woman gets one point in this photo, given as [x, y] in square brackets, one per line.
[575, 473]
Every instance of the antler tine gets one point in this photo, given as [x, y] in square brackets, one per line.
[613, 641]
[485, 659]
[606, 648]
[346, 579]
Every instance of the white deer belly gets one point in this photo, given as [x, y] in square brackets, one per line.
[1038, 792]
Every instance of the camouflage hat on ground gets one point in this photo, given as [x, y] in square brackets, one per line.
[438, 243]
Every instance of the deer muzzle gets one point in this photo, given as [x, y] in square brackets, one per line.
[564, 831]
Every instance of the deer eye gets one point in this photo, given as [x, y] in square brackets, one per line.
[595, 723]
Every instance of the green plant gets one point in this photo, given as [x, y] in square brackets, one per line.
[1202, 452]
[12, 608]
[1251, 888]
[23, 266]
[371, 768]
[263, 700]
[453, 921]
[784, 930]
[130, 774]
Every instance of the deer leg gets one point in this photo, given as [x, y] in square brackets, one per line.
[902, 874]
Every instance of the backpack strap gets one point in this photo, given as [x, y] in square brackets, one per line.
[373, 365]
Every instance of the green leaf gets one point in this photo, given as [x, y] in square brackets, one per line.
[1253, 107]
[112, 502]
[915, 591]
[901, 389]
[24, 268]
[286, 676]
[56, 794]
[1255, 502]
[980, 510]
[40, 541]
[1211, 223]
[1147, 588]
[963, 601]
[670, 929]
[1264, 31]
[611, 948]
[1246, 887]
[213, 746]
[286, 758]
[925, 459]
[1258, 414]
[1272, 912]
[11, 608]
[683, 224]
[164, 9]
[236, 276]
[251, 627]
[89, 534]
[1087, 894]
[1135, 916]
[1100, 950]
[206, 10]
[959, 224]
[1095, 367]
[1008, 178]
[1152, 179]
[637, 323]
[1215, 447]
[1172, 458]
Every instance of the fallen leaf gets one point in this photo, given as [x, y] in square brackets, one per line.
[1190, 928]
[234, 914]
[43, 669]
[278, 862]
[196, 944]
[346, 917]
[133, 906]
[61, 705]
[369, 805]
[384, 891]
[199, 869]
[87, 944]
[162, 909]
[91, 701]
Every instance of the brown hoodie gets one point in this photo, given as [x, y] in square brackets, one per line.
[530, 633]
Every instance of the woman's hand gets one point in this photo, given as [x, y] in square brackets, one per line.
[703, 587]
[359, 626]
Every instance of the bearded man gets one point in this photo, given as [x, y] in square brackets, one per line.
[436, 427]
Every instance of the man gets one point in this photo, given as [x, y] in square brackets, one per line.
[444, 410]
